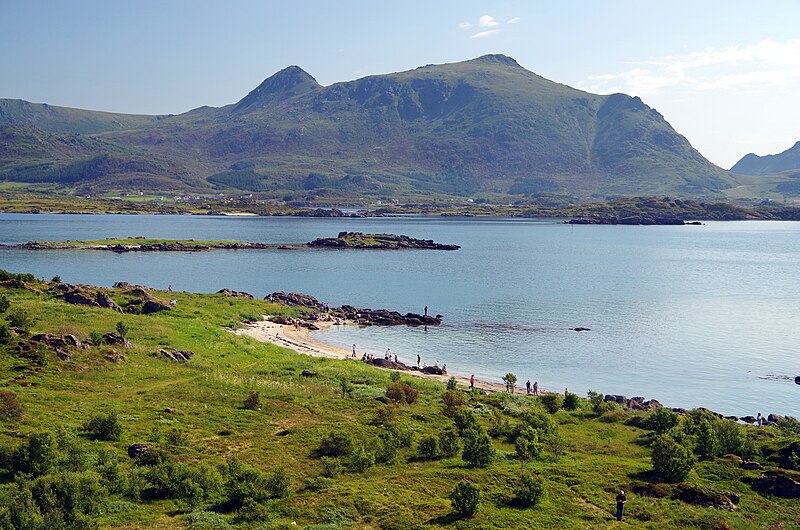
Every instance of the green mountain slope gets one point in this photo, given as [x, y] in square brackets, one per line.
[484, 125]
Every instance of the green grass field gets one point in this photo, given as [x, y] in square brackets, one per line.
[585, 458]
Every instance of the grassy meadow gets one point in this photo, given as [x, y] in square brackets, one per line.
[238, 438]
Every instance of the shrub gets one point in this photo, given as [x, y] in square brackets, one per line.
[465, 420]
[38, 456]
[152, 457]
[428, 448]
[499, 425]
[539, 421]
[278, 484]
[395, 393]
[69, 496]
[336, 443]
[411, 394]
[56, 279]
[387, 448]
[448, 442]
[596, 401]
[571, 402]
[731, 438]
[707, 441]
[551, 402]
[5, 334]
[556, 444]
[10, 407]
[96, 338]
[245, 485]
[176, 437]
[361, 460]
[394, 376]
[530, 491]
[527, 444]
[122, 329]
[386, 414]
[478, 450]
[104, 427]
[452, 384]
[465, 499]
[20, 319]
[453, 400]
[253, 400]
[330, 466]
[510, 381]
[661, 421]
[402, 434]
[672, 462]
[4, 303]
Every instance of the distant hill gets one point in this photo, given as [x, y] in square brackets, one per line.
[485, 125]
[752, 164]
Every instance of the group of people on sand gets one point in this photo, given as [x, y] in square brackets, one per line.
[533, 390]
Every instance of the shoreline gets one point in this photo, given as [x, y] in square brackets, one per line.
[303, 343]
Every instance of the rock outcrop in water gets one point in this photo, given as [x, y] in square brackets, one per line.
[378, 241]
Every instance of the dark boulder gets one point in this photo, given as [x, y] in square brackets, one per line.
[154, 306]
[171, 354]
[774, 418]
[780, 483]
[749, 465]
[388, 363]
[294, 299]
[433, 370]
[138, 449]
[748, 419]
[113, 339]
[308, 373]
[234, 294]
[103, 300]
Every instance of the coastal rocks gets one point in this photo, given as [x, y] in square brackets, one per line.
[626, 220]
[294, 300]
[234, 294]
[634, 403]
[171, 354]
[388, 363]
[579, 329]
[153, 306]
[774, 418]
[797, 380]
[433, 370]
[748, 419]
[54, 343]
[780, 483]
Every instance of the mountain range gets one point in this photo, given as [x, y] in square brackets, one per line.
[483, 126]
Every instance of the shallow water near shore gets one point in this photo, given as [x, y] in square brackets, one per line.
[690, 315]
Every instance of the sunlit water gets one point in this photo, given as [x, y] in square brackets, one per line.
[689, 315]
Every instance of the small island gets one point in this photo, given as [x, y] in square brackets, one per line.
[345, 240]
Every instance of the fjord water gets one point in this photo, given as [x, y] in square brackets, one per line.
[690, 315]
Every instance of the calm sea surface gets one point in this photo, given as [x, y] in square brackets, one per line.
[690, 315]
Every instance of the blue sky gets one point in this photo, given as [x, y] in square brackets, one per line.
[726, 74]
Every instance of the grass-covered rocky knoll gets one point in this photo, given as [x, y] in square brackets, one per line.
[237, 437]
[485, 125]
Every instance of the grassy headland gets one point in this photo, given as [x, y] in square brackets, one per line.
[239, 438]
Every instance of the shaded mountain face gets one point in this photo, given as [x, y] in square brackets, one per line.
[752, 164]
[484, 125]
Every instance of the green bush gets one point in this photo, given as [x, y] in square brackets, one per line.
[361, 460]
[245, 486]
[465, 499]
[330, 466]
[336, 443]
[175, 437]
[571, 402]
[96, 338]
[104, 427]
[278, 484]
[5, 334]
[4, 303]
[672, 461]
[428, 448]
[449, 444]
[21, 319]
[453, 401]
[527, 445]
[731, 437]
[707, 445]
[499, 425]
[452, 384]
[402, 433]
[530, 491]
[122, 329]
[661, 421]
[478, 450]
[465, 420]
[37, 456]
[551, 402]
[69, 496]
[596, 401]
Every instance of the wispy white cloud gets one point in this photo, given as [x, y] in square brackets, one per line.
[487, 33]
[753, 67]
[484, 23]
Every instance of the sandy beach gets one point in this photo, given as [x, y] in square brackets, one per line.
[301, 341]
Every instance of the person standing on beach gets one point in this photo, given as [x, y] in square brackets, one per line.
[528, 385]
[354, 350]
[418, 360]
[536, 388]
[472, 381]
[621, 500]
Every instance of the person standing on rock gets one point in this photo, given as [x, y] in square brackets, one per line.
[528, 386]
[621, 500]
[426, 310]
[536, 388]
[418, 360]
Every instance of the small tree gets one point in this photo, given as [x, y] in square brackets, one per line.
[707, 441]
[661, 421]
[530, 491]
[345, 387]
[253, 400]
[448, 442]
[672, 462]
[465, 499]
[511, 382]
[122, 329]
[56, 279]
[451, 384]
[278, 484]
[361, 460]
[596, 401]
[478, 450]
[428, 448]
[20, 318]
[571, 402]
[104, 427]
[551, 402]
[453, 400]
[465, 420]
[10, 407]
[731, 438]
[527, 445]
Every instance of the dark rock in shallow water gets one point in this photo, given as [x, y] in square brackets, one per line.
[797, 380]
